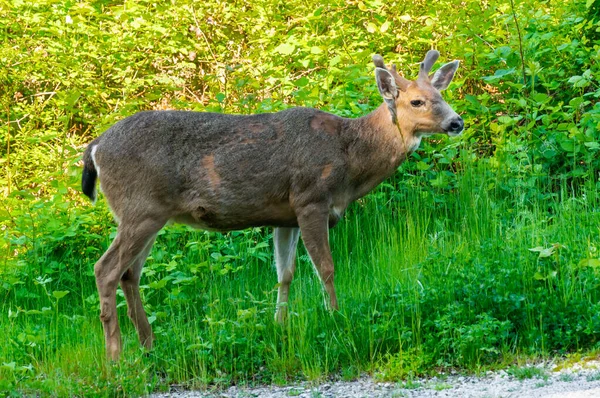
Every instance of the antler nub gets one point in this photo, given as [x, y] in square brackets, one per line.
[427, 64]
[378, 61]
[430, 58]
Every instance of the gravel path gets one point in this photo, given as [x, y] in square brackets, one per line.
[579, 381]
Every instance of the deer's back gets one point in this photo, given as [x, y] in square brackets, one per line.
[221, 171]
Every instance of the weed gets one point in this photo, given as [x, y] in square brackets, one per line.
[527, 372]
[411, 385]
[350, 373]
[595, 376]
[566, 377]
[441, 386]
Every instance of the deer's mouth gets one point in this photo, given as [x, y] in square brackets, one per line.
[455, 126]
[454, 133]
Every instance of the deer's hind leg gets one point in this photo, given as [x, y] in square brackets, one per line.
[286, 241]
[133, 237]
[130, 284]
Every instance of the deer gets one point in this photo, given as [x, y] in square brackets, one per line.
[296, 170]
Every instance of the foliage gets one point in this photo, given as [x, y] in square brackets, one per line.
[527, 372]
[479, 250]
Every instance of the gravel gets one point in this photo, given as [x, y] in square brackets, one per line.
[578, 381]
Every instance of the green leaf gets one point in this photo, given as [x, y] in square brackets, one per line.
[543, 252]
[9, 365]
[72, 98]
[575, 102]
[546, 252]
[567, 145]
[303, 81]
[593, 145]
[538, 276]
[540, 97]
[500, 73]
[158, 284]
[285, 48]
[575, 79]
[423, 166]
[58, 294]
[590, 262]
[384, 27]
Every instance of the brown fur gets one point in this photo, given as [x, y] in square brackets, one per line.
[214, 180]
[326, 171]
[323, 122]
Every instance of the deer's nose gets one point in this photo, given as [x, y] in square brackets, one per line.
[456, 125]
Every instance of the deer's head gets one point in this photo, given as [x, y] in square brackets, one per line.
[417, 107]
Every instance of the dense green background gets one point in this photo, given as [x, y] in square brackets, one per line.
[482, 251]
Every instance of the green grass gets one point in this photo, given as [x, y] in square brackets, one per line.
[422, 284]
[527, 372]
[593, 376]
[566, 377]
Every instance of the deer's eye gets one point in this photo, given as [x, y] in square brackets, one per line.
[417, 103]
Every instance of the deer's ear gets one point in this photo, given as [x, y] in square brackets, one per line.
[386, 84]
[442, 77]
[387, 89]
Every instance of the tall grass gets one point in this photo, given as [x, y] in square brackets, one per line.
[426, 279]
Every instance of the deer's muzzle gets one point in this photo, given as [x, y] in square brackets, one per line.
[454, 126]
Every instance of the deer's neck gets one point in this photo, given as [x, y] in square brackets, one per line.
[376, 148]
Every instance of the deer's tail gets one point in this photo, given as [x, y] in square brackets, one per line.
[90, 173]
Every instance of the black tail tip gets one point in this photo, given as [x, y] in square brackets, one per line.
[88, 183]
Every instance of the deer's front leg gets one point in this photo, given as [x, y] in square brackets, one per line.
[314, 225]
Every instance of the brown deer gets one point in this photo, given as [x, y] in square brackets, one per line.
[296, 170]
